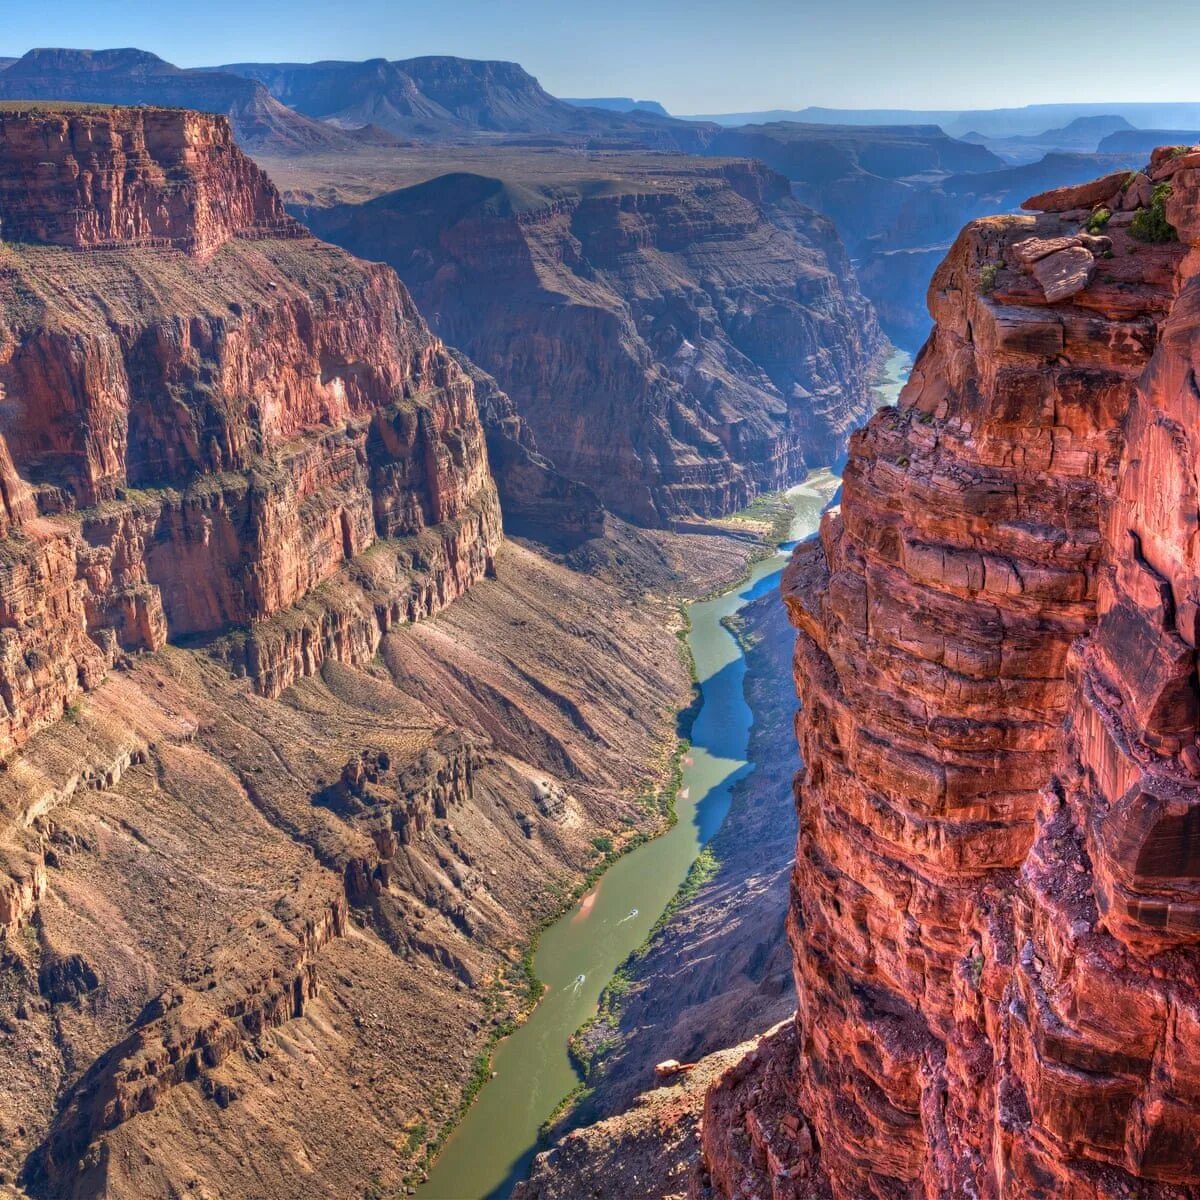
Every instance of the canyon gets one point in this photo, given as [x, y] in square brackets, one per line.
[992, 909]
[297, 748]
[679, 334]
[340, 639]
[898, 184]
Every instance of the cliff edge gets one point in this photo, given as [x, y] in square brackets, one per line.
[994, 907]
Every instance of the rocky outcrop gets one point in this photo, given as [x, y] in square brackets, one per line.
[208, 419]
[678, 335]
[152, 177]
[993, 911]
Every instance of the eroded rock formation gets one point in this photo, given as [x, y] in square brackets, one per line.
[205, 414]
[994, 904]
[679, 335]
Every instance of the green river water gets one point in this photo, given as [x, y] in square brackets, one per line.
[492, 1147]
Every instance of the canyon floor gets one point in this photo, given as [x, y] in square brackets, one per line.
[719, 969]
[194, 853]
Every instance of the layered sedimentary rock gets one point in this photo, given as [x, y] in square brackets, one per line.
[679, 335]
[162, 178]
[206, 413]
[268, 843]
[995, 895]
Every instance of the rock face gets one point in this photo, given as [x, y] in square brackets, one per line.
[153, 178]
[994, 912]
[206, 419]
[678, 335]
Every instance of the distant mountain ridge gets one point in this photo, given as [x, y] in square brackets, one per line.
[130, 76]
[618, 104]
[439, 96]
[1143, 141]
[1031, 119]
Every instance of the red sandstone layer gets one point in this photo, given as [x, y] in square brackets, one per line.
[193, 442]
[106, 177]
[994, 913]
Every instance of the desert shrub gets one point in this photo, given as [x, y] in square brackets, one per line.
[988, 275]
[1098, 220]
[1150, 224]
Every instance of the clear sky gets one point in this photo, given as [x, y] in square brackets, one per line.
[693, 55]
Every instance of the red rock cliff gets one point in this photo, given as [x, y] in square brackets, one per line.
[204, 414]
[996, 902]
[679, 335]
[130, 177]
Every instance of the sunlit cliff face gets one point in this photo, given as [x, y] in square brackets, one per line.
[994, 900]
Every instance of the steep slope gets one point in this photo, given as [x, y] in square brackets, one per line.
[137, 77]
[994, 902]
[680, 335]
[294, 750]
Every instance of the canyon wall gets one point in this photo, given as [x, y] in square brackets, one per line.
[205, 414]
[993, 910]
[269, 843]
[679, 335]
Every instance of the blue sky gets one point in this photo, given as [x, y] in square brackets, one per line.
[693, 55]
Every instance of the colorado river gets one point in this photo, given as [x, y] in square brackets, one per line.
[491, 1149]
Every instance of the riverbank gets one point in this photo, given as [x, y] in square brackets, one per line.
[697, 560]
[716, 967]
[578, 954]
[717, 964]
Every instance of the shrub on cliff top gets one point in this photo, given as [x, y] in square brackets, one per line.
[1150, 224]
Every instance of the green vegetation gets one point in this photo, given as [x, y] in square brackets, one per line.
[974, 966]
[603, 844]
[415, 1136]
[1151, 224]
[988, 274]
[1098, 220]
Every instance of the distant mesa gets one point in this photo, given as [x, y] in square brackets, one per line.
[1141, 142]
[440, 96]
[618, 104]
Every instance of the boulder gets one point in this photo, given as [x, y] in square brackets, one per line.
[1081, 195]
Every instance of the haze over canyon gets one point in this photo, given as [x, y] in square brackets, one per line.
[557, 650]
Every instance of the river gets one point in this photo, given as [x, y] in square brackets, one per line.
[493, 1145]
